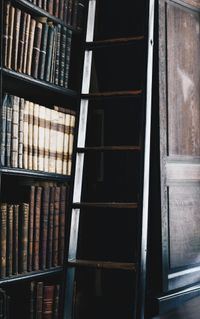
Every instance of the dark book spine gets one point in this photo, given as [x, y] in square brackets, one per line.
[80, 15]
[9, 129]
[43, 51]
[15, 238]
[62, 56]
[21, 133]
[75, 13]
[44, 226]
[53, 60]
[36, 49]
[32, 300]
[57, 62]
[15, 135]
[10, 35]
[17, 21]
[56, 302]
[30, 227]
[50, 228]
[65, 11]
[30, 46]
[3, 129]
[61, 9]
[50, 7]
[36, 236]
[9, 241]
[5, 33]
[62, 217]
[56, 226]
[49, 53]
[48, 299]
[21, 41]
[3, 227]
[67, 58]
[39, 299]
[56, 8]
[26, 43]
[69, 12]
[23, 240]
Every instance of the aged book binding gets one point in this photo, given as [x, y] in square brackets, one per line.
[53, 141]
[67, 57]
[10, 36]
[15, 136]
[41, 136]
[9, 114]
[15, 238]
[26, 43]
[56, 226]
[3, 129]
[36, 237]
[47, 139]
[56, 302]
[25, 140]
[36, 49]
[62, 221]
[9, 241]
[35, 135]
[66, 144]
[50, 227]
[16, 30]
[60, 142]
[71, 141]
[30, 45]
[23, 240]
[3, 225]
[43, 51]
[21, 132]
[21, 44]
[31, 227]
[30, 135]
[48, 300]
[5, 34]
[44, 226]
[39, 298]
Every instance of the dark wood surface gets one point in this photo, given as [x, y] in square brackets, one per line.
[189, 310]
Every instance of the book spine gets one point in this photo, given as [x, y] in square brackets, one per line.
[15, 238]
[71, 142]
[26, 42]
[53, 141]
[3, 129]
[5, 33]
[56, 302]
[60, 142]
[41, 134]
[47, 139]
[17, 21]
[62, 56]
[80, 15]
[9, 129]
[23, 240]
[32, 300]
[50, 7]
[25, 140]
[30, 46]
[43, 51]
[66, 144]
[36, 237]
[21, 133]
[48, 299]
[69, 12]
[44, 226]
[15, 128]
[39, 3]
[65, 13]
[53, 60]
[31, 227]
[62, 217]
[44, 5]
[48, 62]
[3, 227]
[9, 241]
[35, 135]
[57, 54]
[75, 13]
[10, 35]
[30, 135]
[36, 49]
[21, 41]
[61, 9]
[39, 299]
[67, 58]
[56, 226]
[50, 228]
[56, 8]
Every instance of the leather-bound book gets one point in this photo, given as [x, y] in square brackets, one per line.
[44, 4]
[5, 33]
[39, 3]
[36, 235]
[75, 13]
[24, 18]
[50, 6]
[26, 43]
[3, 129]
[9, 241]
[35, 135]
[67, 57]
[3, 227]
[39, 300]
[60, 142]
[15, 135]
[61, 9]
[16, 29]
[56, 8]
[32, 299]
[57, 62]
[36, 49]
[53, 141]
[43, 51]
[9, 114]
[53, 60]
[62, 223]
[21, 132]
[41, 136]
[47, 138]
[80, 15]
[65, 13]
[50, 227]
[48, 62]
[30, 46]
[30, 135]
[56, 302]
[69, 12]
[15, 238]
[56, 225]
[44, 226]
[23, 237]
[48, 300]
[66, 144]
[10, 35]
[71, 142]
[31, 227]
[25, 137]
[62, 56]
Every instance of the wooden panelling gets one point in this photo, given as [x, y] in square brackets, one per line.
[183, 81]
[179, 172]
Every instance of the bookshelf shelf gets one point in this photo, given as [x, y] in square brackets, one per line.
[106, 205]
[34, 174]
[102, 264]
[31, 276]
[111, 42]
[40, 12]
[108, 149]
[99, 95]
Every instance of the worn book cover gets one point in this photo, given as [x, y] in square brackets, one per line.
[43, 51]
[21, 44]
[31, 227]
[3, 128]
[9, 241]
[36, 235]
[15, 238]
[30, 46]
[16, 29]
[36, 49]
[41, 136]
[44, 226]
[3, 226]
[15, 129]
[10, 35]
[21, 132]
[26, 43]
[30, 135]
[35, 135]
[25, 140]
[23, 237]
[9, 114]
[48, 301]
[56, 225]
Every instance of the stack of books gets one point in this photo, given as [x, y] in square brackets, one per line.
[35, 137]
[33, 234]
[36, 47]
[44, 300]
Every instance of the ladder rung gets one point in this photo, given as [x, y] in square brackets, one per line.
[102, 264]
[107, 148]
[106, 205]
[97, 95]
[115, 41]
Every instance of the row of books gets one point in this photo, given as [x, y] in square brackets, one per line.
[44, 300]
[70, 11]
[32, 234]
[35, 137]
[36, 47]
